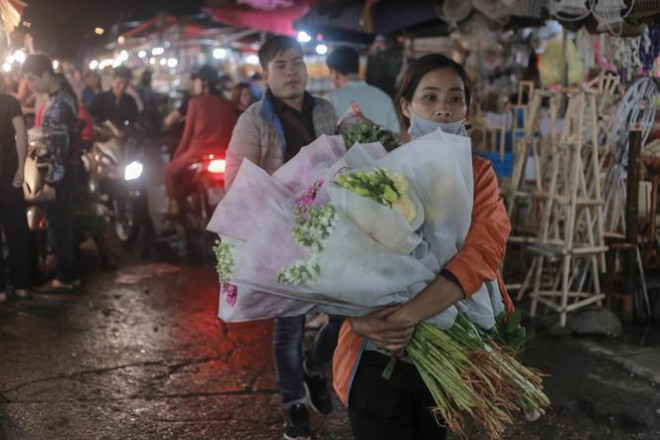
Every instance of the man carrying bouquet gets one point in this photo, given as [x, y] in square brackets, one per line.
[269, 133]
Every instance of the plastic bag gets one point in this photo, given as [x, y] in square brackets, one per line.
[551, 62]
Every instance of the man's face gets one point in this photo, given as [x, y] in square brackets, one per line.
[286, 74]
[92, 81]
[334, 78]
[119, 85]
[38, 83]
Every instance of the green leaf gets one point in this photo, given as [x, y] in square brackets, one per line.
[513, 322]
[387, 372]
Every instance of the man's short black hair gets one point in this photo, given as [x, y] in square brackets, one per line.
[122, 72]
[274, 46]
[344, 60]
[37, 64]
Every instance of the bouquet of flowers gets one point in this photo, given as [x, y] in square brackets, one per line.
[349, 232]
[356, 128]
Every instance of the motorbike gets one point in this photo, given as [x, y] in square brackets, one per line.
[202, 189]
[115, 166]
[36, 166]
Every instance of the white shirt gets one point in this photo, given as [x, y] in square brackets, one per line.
[374, 103]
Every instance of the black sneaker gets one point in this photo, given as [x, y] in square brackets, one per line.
[317, 394]
[297, 423]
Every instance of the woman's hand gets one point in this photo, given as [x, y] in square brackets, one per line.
[18, 178]
[387, 334]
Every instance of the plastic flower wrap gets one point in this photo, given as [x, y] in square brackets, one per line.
[349, 232]
[374, 251]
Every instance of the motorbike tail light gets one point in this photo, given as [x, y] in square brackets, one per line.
[217, 166]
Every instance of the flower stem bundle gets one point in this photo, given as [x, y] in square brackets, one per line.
[468, 373]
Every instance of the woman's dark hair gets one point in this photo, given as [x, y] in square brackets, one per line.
[37, 64]
[416, 72]
[276, 45]
[237, 90]
[66, 86]
[209, 77]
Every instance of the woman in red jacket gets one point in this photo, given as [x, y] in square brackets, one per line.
[210, 120]
[434, 93]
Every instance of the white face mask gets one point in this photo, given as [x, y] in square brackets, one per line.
[421, 126]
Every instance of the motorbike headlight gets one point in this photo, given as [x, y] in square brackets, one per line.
[133, 170]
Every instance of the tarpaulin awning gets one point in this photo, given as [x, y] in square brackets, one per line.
[386, 16]
[159, 23]
[277, 21]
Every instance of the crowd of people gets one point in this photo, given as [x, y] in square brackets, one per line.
[434, 93]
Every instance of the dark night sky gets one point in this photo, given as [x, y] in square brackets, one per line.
[64, 28]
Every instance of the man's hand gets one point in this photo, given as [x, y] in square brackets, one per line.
[18, 178]
[387, 335]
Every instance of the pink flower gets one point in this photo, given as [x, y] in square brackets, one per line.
[231, 293]
[309, 197]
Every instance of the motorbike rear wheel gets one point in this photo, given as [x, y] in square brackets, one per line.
[128, 215]
[197, 214]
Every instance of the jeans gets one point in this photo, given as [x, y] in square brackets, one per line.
[61, 222]
[13, 221]
[288, 351]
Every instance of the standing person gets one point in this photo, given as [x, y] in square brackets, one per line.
[344, 65]
[241, 96]
[178, 115]
[91, 88]
[269, 133]
[13, 221]
[209, 124]
[150, 114]
[257, 85]
[225, 85]
[434, 93]
[86, 139]
[60, 130]
[115, 105]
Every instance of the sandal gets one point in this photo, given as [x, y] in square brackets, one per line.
[51, 287]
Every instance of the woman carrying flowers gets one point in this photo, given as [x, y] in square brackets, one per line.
[434, 93]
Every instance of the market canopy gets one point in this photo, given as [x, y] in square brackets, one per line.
[362, 19]
[276, 20]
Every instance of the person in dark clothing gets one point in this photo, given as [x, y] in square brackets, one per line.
[92, 87]
[150, 114]
[115, 105]
[60, 131]
[13, 221]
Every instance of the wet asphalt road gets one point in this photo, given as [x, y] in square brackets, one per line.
[150, 360]
[142, 361]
